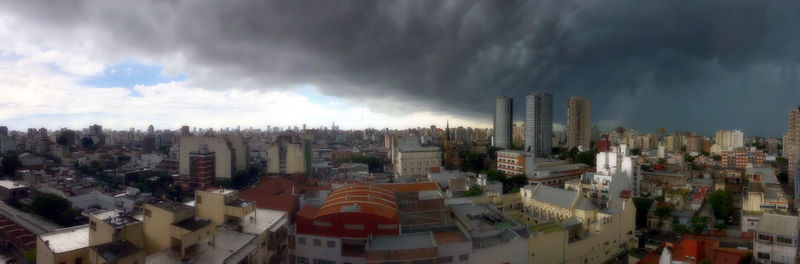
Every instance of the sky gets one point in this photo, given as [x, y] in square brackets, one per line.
[681, 65]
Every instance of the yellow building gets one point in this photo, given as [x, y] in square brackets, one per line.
[230, 154]
[220, 228]
[287, 155]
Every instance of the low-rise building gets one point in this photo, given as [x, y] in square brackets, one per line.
[776, 239]
[741, 159]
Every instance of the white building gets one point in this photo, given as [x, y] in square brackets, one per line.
[729, 139]
[411, 159]
[615, 164]
[775, 239]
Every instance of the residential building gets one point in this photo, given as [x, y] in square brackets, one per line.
[791, 150]
[219, 228]
[694, 249]
[578, 123]
[617, 166]
[411, 160]
[538, 123]
[775, 239]
[763, 195]
[729, 139]
[11, 190]
[230, 154]
[201, 168]
[503, 118]
[741, 159]
[518, 134]
[289, 154]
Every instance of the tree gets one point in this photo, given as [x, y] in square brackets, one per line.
[636, 152]
[783, 177]
[717, 157]
[721, 202]
[53, 207]
[698, 224]
[679, 228]
[10, 163]
[782, 160]
[587, 157]
[87, 142]
[474, 190]
[662, 211]
[240, 179]
[642, 207]
[62, 140]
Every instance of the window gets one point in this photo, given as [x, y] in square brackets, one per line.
[463, 257]
[93, 225]
[147, 212]
[317, 242]
[331, 244]
[762, 255]
[323, 261]
[78, 261]
[446, 259]
[302, 260]
[301, 241]
[765, 237]
[198, 200]
[389, 226]
[784, 240]
[354, 227]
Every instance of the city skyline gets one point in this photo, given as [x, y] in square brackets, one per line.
[67, 69]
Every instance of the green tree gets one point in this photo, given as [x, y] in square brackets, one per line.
[698, 224]
[62, 140]
[53, 207]
[10, 163]
[783, 177]
[474, 190]
[636, 152]
[721, 202]
[586, 157]
[716, 157]
[662, 211]
[680, 228]
[87, 142]
[642, 207]
[782, 160]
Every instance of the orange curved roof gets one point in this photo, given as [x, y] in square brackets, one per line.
[370, 200]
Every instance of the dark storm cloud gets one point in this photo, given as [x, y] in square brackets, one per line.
[702, 65]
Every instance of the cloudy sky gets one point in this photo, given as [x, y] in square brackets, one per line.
[682, 65]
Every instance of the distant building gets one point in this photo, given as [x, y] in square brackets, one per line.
[288, 155]
[578, 123]
[538, 123]
[412, 160]
[742, 159]
[503, 116]
[775, 239]
[730, 139]
[185, 131]
[201, 168]
[230, 154]
[762, 195]
[511, 162]
[791, 150]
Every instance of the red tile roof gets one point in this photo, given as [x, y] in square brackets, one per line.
[276, 192]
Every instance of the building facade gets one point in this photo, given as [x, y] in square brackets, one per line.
[741, 159]
[538, 123]
[579, 131]
[230, 154]
[729, 139]
[775, 239]
[201, 168]
[503, 118]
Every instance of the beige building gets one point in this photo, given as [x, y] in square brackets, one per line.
[579, 130]
[230, 154]
[411, 159]
[287, 155]
[220, 228]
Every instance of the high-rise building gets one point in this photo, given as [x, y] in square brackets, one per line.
[579, 131]
[729, 139]
[230, 154]
[201, 168]
[791, 149]
[288, 155]
[151, 130]
[539, 123]
[503, 117]
[185, 131]
[3, 131]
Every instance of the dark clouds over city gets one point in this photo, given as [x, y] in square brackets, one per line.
[700, 65]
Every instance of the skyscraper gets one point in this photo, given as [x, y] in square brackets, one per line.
[791, 150]
[502, 121]
[579, 131]
[538, 123]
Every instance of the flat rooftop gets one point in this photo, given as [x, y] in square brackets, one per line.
[778, 224]
[171, 206]
[116, 250]
[262, 220]
[67, 239]
[403, 242]
[193, 224]
[9, 184]
[229, 247]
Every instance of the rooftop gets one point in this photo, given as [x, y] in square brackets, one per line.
[546, 227]
[115, 218]
[115, 250]
[67, 239]
[262, 220]
[9, 184]
[559, 197]
[778, 225]
[411, 186]
[171, 206]
[193, 224]
[229, 247]
[403, 242]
